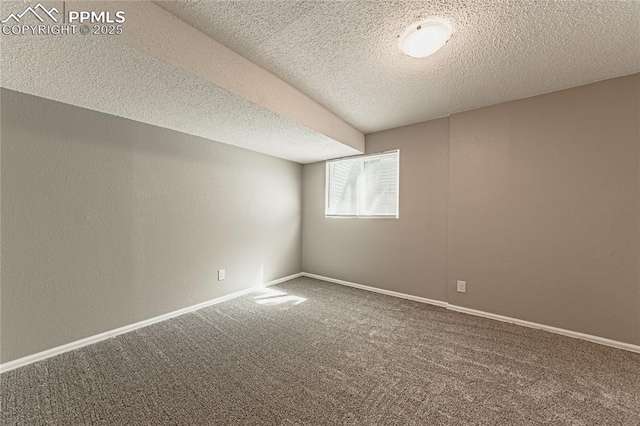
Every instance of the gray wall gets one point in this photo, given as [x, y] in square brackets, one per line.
[406, 254]
[542, 207]
[536, 203]
[107, 221]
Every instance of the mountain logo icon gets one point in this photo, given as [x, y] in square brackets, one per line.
[34, 11]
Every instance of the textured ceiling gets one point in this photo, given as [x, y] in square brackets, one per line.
[344, 54]
[161, 71]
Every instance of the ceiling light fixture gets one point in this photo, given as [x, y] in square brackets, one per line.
[425, 38]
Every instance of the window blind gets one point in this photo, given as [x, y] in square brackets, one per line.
[363, 186]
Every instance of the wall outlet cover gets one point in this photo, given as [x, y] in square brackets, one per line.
[462, 286]
[221, 274]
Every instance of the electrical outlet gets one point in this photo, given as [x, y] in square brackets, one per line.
[221, 275]
[462, 286]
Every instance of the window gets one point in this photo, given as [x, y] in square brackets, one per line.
[363, 186]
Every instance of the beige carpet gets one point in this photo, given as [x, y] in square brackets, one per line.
[327, 354]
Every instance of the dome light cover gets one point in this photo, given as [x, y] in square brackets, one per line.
[425, 38]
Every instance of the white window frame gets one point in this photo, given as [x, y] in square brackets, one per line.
[356, 216]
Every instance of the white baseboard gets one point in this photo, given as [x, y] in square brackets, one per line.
[588, 337]
[379, 290]
[11, 365]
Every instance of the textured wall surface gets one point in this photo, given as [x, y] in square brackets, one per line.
[345, 54]
[407, 254]
[544, 209]
[543, 212]
[106, 222]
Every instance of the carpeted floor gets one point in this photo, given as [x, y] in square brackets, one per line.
[327, 354]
